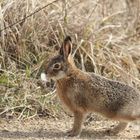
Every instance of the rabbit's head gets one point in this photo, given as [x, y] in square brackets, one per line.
[57, 66]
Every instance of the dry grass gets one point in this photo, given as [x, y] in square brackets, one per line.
[106, 38]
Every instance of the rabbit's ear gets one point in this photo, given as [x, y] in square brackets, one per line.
[66, 48]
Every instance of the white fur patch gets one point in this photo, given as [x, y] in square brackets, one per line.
[44, 77]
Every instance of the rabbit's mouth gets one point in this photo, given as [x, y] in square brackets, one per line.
[58, 76]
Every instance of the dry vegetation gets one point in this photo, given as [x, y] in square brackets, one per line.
[106, 38]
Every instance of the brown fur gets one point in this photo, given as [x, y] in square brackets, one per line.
[84, 92]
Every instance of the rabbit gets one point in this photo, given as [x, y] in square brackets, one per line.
[85, 92]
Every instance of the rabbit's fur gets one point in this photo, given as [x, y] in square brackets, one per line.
[84, 92]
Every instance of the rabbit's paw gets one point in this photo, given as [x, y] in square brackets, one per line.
[73, 133]
[111, 132]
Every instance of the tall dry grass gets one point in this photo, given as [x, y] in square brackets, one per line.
[106, 39]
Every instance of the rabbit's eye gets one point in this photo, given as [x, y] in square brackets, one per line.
[57, 66]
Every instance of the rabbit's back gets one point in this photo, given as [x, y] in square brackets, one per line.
[113, 90]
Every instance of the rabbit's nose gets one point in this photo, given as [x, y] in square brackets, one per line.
[44, 77]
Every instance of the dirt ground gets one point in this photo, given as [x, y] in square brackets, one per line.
[45, 129]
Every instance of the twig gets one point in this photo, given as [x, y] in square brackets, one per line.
[33, 13]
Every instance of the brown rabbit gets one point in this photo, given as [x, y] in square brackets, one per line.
[84, 92]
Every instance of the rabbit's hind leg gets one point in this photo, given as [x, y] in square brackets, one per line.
[119, 128]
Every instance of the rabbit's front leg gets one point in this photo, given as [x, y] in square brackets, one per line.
[76, 130]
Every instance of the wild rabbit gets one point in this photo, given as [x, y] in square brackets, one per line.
[84, 92]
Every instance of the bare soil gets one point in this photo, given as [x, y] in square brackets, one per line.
[40, 129]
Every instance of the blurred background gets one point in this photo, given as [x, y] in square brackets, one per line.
[106, 41]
